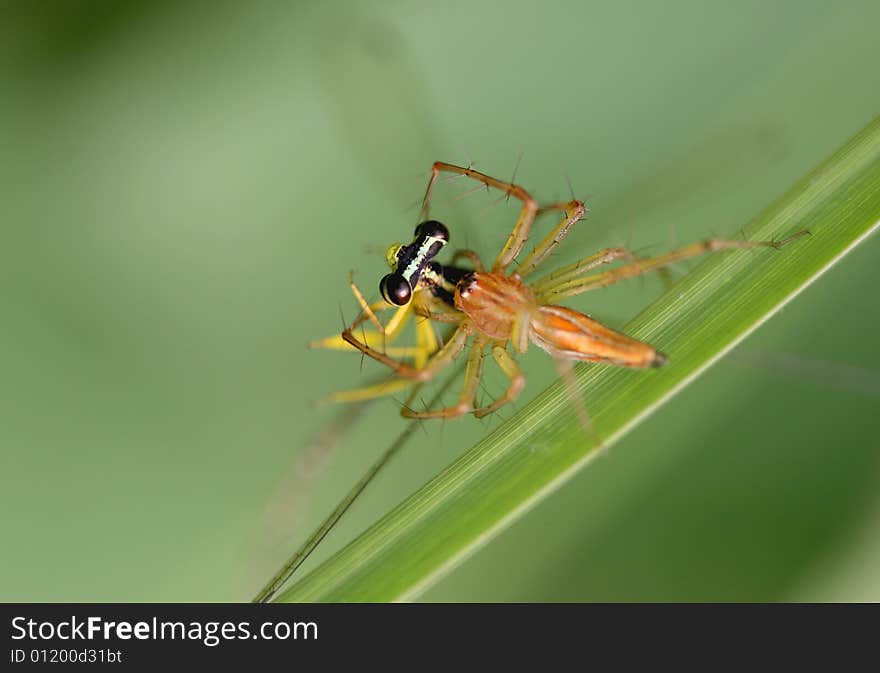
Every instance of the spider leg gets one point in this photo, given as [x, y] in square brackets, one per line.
[441, 358]
[574, 286]
[473, 373]
[420, 354]
[426, 345]
[520, 232]
[572, 211]
[513, 373]
[578, 268]
[566, 373]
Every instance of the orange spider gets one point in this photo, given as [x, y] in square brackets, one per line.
[498, 308]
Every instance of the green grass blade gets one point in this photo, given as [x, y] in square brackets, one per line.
[696, 322]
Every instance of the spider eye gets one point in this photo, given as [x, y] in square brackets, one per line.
[395, 290]
[391, 256]
[433, 229]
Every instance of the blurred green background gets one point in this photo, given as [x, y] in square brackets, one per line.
[186, 186]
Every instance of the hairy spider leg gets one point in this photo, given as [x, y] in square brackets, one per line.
[577, 269]
[513, 373]
[440, 359]
[566, 373]
[426, 345]
[520, 232]
[571, 285]
[572, 213]
[473, 374]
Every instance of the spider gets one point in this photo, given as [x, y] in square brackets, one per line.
[499, 309]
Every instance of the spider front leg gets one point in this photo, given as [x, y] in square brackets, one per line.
[407, 375]
[573, 212]
[568, 287]
[520, 232]
[426, 345]
[473, 374]
[440, 360]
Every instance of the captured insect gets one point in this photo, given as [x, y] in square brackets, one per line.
[414, 287]
[499, 309]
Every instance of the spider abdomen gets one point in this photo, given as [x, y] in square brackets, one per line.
[571, 335]
[499, 306]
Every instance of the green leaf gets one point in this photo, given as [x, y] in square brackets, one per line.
[695, 323]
